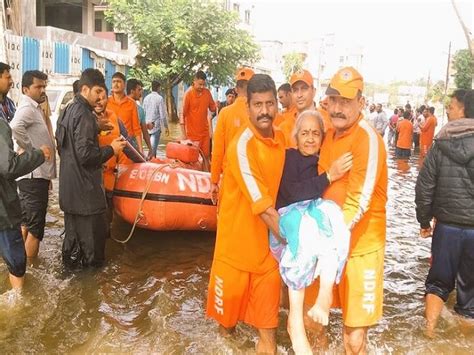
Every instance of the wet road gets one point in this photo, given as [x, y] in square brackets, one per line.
[150, 296]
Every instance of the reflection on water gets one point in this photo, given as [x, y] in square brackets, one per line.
[150, 296]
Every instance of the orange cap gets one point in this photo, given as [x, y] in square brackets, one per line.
[244, 74]
[302, 75]
[347, 82]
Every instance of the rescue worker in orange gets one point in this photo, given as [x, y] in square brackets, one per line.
[135, 92]
[195, 123]
[323, 110]
[244, 281]
[125, 108]
[427, 130]
[405, 136]
[231, 118]
[362, 195]
[286, 101]
[303, 92]
[127, 156]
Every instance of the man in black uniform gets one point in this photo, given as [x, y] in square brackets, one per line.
[81, 192]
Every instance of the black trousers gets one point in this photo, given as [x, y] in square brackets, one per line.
[34, 204]
[416, 140]
[84, 242]
[452, 251]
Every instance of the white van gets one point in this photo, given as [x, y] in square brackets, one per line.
[58, 97]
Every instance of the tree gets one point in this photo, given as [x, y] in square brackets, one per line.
[463, 66]
[176, 38]
[436, 93]
[292, 62]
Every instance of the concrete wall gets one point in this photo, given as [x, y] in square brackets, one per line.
[3, 53]
[74, 38]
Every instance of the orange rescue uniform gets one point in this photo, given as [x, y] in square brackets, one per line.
[244, 281]
[195, 117]
[230, 119]
[287, 127]
[405, 134]
[127, 111]
[283, 115]
[427, 134]
[362, 195]
[109, 166]
[326, 119]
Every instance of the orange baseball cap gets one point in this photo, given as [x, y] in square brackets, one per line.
[347, 82]
[302, 75]
[244, 74]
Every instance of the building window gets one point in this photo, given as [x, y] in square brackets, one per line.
[123, 39]
[247, 17]
[109, 27]
[236, 7]
[98, 25]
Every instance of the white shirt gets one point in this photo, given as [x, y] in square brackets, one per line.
[155, 111]
[31, 131]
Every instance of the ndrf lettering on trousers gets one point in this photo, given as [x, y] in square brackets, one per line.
[219, 295]
[368, 300]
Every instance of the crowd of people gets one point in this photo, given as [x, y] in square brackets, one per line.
[301, 192]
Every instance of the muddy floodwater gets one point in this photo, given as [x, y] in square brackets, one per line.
[150, 296]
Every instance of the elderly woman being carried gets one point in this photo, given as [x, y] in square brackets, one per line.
[314, 240]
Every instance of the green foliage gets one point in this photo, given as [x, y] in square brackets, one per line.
[178, 37]
[292, 62]
[463, 65]
[436, 93]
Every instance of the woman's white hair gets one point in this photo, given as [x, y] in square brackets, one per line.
[302, 116]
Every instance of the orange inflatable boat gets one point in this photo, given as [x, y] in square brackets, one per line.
[163, 195]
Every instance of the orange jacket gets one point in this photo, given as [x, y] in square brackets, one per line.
[326, 119]
[230, 119]
[405, 134]
[195, 108]
[287, 127]
[109, 166]
[362, 192]
[127, 111]
[249, 188]
[427, 132]
[282, 116]
[279, 119]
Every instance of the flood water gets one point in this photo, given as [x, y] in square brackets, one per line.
[150, 296]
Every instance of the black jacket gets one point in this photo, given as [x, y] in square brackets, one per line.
[80, 176]
[300, 180]
[445, 185]
[12, 166]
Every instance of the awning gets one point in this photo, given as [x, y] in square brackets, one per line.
[118, 58]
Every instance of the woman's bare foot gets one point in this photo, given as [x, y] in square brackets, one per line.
[319, 315]
[299, 341]
[320, 311]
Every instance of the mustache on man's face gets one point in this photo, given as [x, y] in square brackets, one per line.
[338, 115]
[261, 117]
